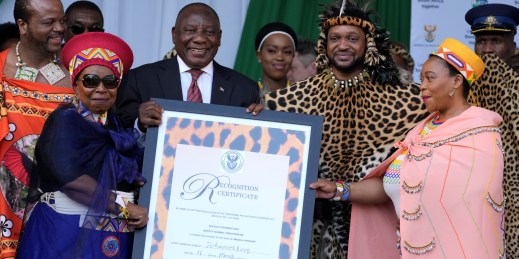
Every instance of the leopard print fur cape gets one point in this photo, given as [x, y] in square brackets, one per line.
[498, 90]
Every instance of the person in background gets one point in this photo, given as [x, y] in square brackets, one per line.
[275, 47]
[192, 75]
[445, 181]
[403, 60]
[9, 35]
[83, 16]
[514, 61]
[34, 83]
[87, 167]
[365, 106]
[303, 65]
[494, 27]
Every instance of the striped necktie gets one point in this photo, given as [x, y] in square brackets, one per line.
[193, 93]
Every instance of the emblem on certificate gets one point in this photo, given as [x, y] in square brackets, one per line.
[232, 161]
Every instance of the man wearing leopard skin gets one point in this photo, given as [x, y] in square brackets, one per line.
[365, 107]
[494, 27]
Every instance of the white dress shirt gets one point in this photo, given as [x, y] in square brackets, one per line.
[205, 81]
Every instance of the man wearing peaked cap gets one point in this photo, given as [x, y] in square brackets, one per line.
[494, 26]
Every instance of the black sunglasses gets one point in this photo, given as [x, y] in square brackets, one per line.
[78, 28]
[93, 81]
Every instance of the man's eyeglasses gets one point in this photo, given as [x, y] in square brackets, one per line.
[93, 81]
[78, 29]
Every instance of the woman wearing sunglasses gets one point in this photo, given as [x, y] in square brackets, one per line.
[87, 168]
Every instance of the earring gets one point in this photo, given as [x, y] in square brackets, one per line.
[451, 93]
[259, 60]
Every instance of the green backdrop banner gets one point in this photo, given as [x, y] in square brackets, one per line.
[395, 16]
[302, 16]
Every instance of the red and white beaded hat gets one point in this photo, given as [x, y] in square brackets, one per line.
[97, 48]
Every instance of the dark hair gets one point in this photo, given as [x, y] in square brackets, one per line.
[198, 5]
[453, 72]
[21, 10]
[306, 51]
[271, 27]
[84, 5]
[8, 31]
[305, 46]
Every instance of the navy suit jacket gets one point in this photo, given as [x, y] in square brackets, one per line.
[162, 80]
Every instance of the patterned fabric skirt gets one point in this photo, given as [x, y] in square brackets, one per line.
[49, 234]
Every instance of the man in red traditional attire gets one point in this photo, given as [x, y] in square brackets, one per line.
[32, 84]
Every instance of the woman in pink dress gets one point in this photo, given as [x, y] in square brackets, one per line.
[440, 195]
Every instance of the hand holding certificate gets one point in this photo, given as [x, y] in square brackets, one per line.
[226, 184]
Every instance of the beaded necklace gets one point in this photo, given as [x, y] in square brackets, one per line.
[342, 83]
[265, 90]
[260, 84]
[430, 126]
[337, 84]
[52, 72]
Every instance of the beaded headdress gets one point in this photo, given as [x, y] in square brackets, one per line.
[462, 58]
[97, 48]
[377, 59]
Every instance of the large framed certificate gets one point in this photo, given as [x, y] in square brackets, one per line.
[223, 183]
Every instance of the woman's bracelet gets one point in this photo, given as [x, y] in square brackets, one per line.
[123, 212]
[343, 191]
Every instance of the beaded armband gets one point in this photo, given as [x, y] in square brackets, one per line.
[343, 191]
[123, 212]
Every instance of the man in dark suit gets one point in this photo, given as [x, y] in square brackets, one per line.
[191, 75]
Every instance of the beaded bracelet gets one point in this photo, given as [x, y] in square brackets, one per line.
[343, 191]
[338, 192]
[346, 192]
[123, 212]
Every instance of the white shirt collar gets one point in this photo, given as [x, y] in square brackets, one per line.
[209, 69]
